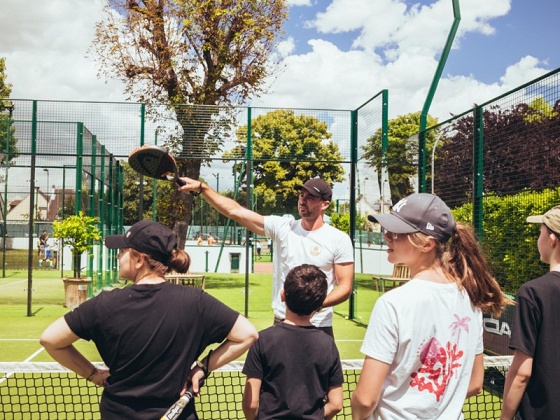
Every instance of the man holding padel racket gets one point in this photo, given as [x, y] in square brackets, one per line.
[308, 240]
[150, 334]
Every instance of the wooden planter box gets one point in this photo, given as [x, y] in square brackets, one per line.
[75, 291]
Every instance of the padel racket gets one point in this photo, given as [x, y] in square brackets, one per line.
[176, 409]
[155, 162]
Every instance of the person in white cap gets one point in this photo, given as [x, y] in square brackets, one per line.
[308, 240]
[423, 345]
[533, 380]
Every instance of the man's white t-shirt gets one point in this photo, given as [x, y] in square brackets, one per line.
[294, 246]
[429, 334]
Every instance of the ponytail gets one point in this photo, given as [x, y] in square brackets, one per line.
[179, 262]
[464, 261]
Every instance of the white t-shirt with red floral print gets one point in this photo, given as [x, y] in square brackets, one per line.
[429, 334]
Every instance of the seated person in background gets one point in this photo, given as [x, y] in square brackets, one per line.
[294, 370]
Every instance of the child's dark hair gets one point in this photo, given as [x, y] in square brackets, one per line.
[305, 289]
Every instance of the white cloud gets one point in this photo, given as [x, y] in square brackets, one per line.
[286, 47]
[292, 3]
[45, 45]
[521, 72]
[395, 48]
[391, 24]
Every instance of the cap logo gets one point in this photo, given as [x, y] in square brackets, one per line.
[429, 226]
[127, 234]
[317, 189]
[397, 207]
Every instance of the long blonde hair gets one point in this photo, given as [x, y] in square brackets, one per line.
[462, 260]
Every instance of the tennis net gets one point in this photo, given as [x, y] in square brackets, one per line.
[49, 391]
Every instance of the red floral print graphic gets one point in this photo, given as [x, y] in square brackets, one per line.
[438, 365]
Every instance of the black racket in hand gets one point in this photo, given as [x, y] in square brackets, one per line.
[155, 162]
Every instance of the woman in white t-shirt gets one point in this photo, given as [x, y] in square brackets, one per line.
[423, 345]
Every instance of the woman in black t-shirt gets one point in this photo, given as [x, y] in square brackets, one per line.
[149, 334]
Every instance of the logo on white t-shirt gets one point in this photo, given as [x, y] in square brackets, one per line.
[315, 251]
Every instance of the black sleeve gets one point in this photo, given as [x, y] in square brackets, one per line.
[217, 318]
[80, 319]
[525, 329]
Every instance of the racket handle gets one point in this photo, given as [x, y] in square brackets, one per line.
[176, 409]
[180, 182]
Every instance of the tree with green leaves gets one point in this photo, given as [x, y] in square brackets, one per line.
[287, 150]
[207, 53]
[540, 110]
[8, 140]
[77, 231]
[401, 157]
[341, 221]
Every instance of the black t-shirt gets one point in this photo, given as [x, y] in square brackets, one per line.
[149, 336]
[297, 366]
[536, 332]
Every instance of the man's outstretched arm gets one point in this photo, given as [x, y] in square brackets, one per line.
[225, 205]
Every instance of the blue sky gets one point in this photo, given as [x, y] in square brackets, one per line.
[337, 53]
[499, 45]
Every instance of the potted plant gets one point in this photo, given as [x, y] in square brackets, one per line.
[78, 232]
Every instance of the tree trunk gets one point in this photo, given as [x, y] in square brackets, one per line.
[76, 262]
[196, 122]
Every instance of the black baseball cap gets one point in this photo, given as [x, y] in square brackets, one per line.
[148, 237]
[317, 188]
[420, 212]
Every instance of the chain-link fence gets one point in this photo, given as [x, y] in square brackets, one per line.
[498, 163]
[65, 157]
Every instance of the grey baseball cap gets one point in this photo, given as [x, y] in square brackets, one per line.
[420, 212]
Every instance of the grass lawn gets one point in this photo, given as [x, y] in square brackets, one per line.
[19, 334]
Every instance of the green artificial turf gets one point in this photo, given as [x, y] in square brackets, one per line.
[19, 333]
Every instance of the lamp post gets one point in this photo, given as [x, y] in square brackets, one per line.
[217, 176]
[48, 192]
[154, 183]
[37, 216]
[141, 184]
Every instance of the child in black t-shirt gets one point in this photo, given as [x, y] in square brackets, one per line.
[294, 369]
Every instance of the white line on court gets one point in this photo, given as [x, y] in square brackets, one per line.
[14, 282]
[8, 374]
[19, 339]
[34, 354]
